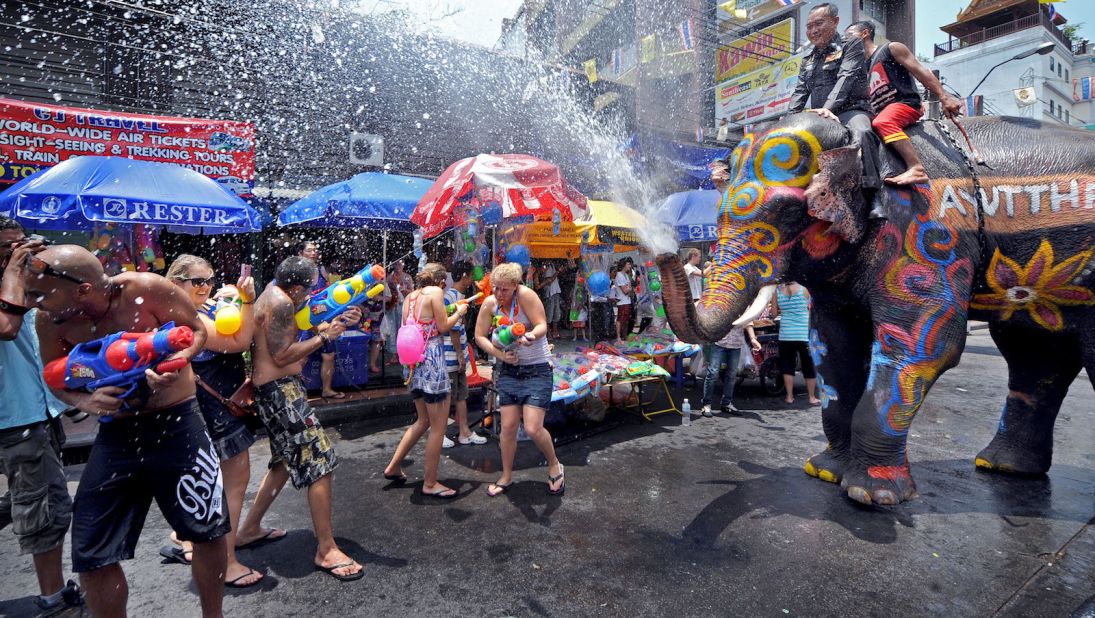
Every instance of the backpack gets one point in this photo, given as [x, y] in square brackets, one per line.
[410, 341]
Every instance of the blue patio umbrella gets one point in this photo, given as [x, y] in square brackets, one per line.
[372, 199]
[693, 214]
[81, 192]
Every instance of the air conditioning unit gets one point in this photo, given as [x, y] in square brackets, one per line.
[366, 149]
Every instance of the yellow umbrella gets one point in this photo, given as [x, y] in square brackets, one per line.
[607, 223]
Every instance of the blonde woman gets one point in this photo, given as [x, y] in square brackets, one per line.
[523, 373]
[220, 365]
[425, 308]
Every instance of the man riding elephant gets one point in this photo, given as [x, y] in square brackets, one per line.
[832, 81]
[896, 273]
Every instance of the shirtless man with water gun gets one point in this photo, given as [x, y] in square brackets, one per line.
[296, 436]
[154, 447]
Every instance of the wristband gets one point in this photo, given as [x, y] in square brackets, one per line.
[9, 307]
[247, 302]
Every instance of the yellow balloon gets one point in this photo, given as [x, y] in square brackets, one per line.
[228, 320]
[342, 294]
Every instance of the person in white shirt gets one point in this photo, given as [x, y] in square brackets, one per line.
[694, 274]
[624, 288]
[551, 292]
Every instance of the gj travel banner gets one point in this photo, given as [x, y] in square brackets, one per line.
[34, 136]
[754, 51]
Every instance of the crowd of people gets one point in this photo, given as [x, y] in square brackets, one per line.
[180, 442]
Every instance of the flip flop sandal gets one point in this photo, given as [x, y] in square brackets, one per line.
[444, 494]
[234, 583]
[397, 478]
[175, 555]
[342, 578]
[270, 537]
[501, 489]
[555, 479]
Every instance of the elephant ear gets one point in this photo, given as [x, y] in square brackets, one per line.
[835, 193]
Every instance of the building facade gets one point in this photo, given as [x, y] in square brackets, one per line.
[1005, 33]
[308, 75]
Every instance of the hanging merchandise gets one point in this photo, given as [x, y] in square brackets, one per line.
[417, 248]
[556, 222]
[149, 252]
[519, 254]
[578, 310]
[108, 243]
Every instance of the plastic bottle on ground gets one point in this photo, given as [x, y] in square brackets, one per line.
[686, 413]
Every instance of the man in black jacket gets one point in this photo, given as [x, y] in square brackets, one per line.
[832, 81]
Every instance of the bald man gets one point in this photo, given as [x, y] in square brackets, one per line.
[157, 449]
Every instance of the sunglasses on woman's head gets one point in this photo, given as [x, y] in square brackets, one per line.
[38, 266]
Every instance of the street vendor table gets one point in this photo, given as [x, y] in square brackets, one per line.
[662, 359]
[641, 404]
[351, 362]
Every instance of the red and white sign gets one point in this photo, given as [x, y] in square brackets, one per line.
[34, 136]
[521, 185]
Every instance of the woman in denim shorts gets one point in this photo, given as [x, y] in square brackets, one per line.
[523, 375]
[220, 365]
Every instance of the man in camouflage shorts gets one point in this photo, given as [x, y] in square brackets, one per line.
[301, 449]
[296, 438]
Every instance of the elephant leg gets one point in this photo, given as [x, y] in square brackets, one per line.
[1041, 367]
[840, 344]
[906, 360]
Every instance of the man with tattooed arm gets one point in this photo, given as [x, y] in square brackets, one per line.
[301, 449]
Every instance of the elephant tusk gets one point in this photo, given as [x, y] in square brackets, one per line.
[764, 296]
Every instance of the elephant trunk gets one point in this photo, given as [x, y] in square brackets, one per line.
[710, 319]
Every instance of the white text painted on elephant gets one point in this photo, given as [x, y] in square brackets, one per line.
[1015, 197]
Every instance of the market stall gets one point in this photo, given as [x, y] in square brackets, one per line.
[367, 203]
[122, 205]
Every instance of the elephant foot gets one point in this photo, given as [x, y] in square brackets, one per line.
[1021, 460]
[827, 465]
[884, 485]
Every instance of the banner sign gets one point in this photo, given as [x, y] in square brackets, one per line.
[739, 10]
[698, 232]
[754, 51]
[758, 95]
[34, 136]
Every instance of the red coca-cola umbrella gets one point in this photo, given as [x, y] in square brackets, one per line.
[518, 185]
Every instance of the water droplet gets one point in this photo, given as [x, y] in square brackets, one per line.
[139, 300]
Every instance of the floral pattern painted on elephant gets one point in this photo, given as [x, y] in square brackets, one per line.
[928, 275]
[776, 163]
[1041, 287]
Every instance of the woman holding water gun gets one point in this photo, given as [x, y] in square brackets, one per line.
[220, 369]
[524, 375]
[424, 309]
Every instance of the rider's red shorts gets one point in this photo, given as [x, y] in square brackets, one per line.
[890, 122]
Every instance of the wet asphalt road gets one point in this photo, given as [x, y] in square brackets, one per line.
[659, 519]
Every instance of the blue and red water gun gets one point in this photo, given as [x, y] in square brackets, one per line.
[119, 360]
[328, 303]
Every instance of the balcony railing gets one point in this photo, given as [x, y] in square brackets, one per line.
[996, 32]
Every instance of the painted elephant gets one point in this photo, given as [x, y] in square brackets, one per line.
[895, 274]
